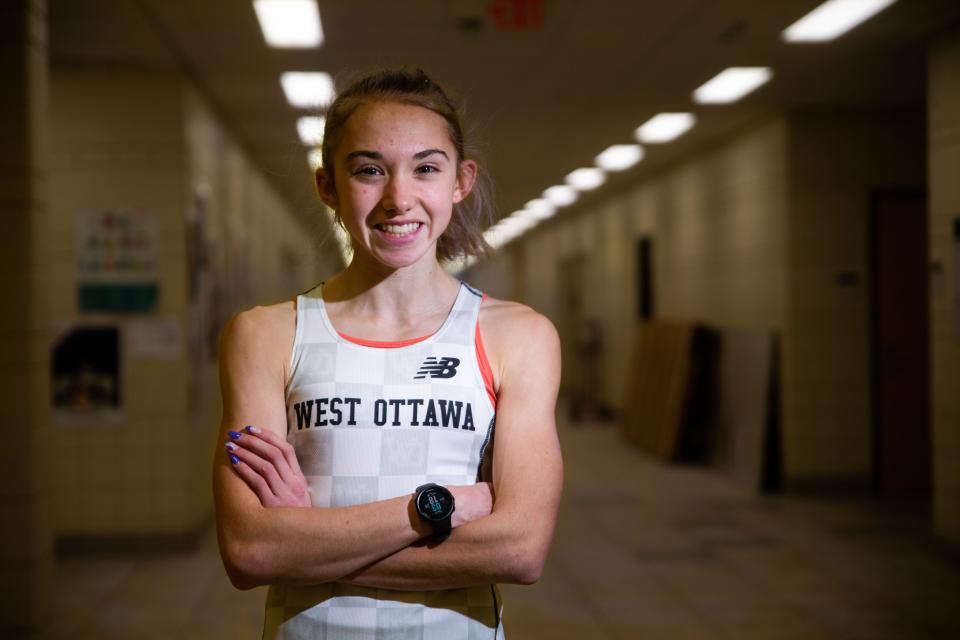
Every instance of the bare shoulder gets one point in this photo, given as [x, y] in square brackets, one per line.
[513, 332]
[261, 332]
[513, 319]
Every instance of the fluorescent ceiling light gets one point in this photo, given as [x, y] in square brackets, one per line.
[498, 236]
[832, 19]
[307, 89]
[310, 129]
[520, 221]
[620, 157]
[289, 23]
[527, 220]
[561, 195]
[457, 265]
[539, 209]
[732, 84]
[315, 158]
[500, 232]
[665, 127]
[585, 179]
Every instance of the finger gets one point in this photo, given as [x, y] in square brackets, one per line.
[254, 442]
[295, 478]
[269, 497]
[281, 443]
[263, 467]
[252, 479]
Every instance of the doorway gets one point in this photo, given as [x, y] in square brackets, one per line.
[900, 349]
[645, 298]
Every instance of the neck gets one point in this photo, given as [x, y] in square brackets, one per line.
[392, 294]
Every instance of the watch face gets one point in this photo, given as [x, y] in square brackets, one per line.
[435, 503]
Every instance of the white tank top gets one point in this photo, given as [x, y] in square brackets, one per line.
[372, 421]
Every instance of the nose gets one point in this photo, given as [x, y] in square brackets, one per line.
[397, 196]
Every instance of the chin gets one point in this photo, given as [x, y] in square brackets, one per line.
[400, 261]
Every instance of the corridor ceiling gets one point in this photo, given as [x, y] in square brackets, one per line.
[544, 100]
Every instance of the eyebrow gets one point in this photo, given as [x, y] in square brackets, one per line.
[429, 152]
[376, 155]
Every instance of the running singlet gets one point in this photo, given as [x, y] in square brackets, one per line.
[372, 421]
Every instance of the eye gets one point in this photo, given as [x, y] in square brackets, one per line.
[428, 168]
[368, 170]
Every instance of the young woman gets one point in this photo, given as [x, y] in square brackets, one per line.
[390, 447]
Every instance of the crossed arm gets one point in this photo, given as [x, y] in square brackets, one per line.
[269, 534]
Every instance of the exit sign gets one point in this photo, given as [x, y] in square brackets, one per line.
[516, 15]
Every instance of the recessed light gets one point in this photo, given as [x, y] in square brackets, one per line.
[732, 84]
[585, 179]
[315, 158]
[832, 19]
[620, 157]
[289, 23]
[538, 209]
[310, 129]
[665, 127]
[307, 89]
[499, 235]
[561, 195]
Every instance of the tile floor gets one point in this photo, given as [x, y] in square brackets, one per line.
[642, 551]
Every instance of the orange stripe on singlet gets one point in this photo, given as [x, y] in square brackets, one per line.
[382, 344]
[485, 369]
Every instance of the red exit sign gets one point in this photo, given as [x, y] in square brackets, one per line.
[516, 15]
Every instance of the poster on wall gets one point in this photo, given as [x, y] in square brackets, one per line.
[85, 376]
[117, 264]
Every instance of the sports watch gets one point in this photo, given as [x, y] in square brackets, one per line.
[435, 506]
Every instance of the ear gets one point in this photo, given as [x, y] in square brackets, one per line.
[326, 188]
[466, 178]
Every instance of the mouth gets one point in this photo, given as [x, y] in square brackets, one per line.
[399, 230]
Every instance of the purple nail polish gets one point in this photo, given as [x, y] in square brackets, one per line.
[234, 459]
[231, 446]
[251, 429]
[234, 434]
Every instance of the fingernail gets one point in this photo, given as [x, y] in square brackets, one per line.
[234, 434]
[251, 429]
[231, 446]
[234, 459]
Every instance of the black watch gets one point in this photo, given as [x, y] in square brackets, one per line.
[435, 506]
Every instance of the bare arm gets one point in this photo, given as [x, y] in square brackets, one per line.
[286, 544]
[510, 545]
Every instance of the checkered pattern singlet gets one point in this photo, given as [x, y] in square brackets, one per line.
[371, 423]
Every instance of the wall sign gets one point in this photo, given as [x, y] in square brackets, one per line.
[116, 262]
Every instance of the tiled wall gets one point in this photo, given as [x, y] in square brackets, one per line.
[25, 557]
[144, 142]
[944, 159]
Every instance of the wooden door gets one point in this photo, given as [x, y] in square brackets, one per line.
[901, 345]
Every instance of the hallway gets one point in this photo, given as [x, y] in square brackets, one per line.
[642, 550]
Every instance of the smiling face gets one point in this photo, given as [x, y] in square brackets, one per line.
[397, 177]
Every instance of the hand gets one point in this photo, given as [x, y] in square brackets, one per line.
[269, 466]
[473, 501]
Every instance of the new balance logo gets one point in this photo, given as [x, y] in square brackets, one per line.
[438, 368]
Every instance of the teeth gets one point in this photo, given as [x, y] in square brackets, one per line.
[399, 229]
